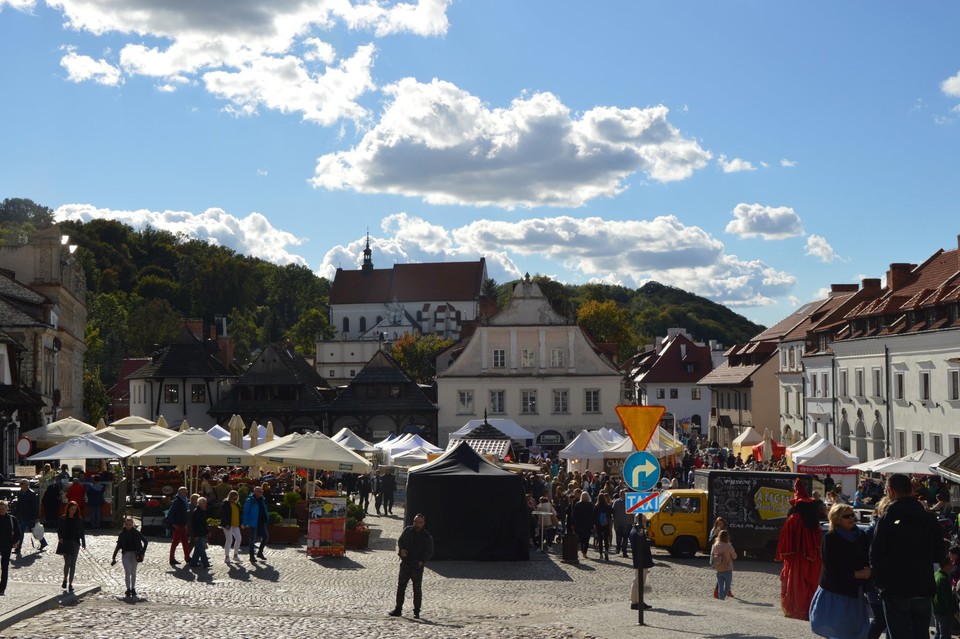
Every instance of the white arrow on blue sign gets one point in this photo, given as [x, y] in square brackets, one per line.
[643, 502]
[641, 471]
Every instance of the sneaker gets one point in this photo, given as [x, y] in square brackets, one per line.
[253, 559]
[126, 595]
[416, 615]
[236, 557]
[133, 593]
[394, 613]
[43, 544]
[174, 562]
[260, 555]
[64, 585]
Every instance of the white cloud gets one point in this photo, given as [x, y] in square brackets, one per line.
[788, 163]
[21, 5]
[818, 247]
[252, 53]
[951, 86]
[81, 68]
[736, 165]
[440, 143]
[766, 222]
[593, 249]
[252, 235]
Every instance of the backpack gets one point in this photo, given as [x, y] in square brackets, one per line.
[603, 519]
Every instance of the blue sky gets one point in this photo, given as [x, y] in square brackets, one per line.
[750, 152]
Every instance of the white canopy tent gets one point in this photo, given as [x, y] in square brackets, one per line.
[585, 453]
[749, 438]
[349, 439]
[89, 446]
[412, 457]
[609, 435]
[824, 458]
[916, 463]
[508, 427]
[310, 450]
[799, 448]
[59, 431]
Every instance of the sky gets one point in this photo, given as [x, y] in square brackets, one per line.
[753, 153]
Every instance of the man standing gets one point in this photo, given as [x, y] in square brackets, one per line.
[377, 486]
[642, 560]
[9, 534]
[27, 512]
[178, 517]
[388, 485]
[255, 516]
[363, 491]
[415, 547]
[906, 544]
[621, 522]
[199, 529]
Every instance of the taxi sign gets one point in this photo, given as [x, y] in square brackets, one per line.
[643, 503]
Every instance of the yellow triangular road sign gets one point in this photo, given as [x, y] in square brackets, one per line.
[640, 422]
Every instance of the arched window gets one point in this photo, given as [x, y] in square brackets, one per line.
[346, 325]
[363, 324]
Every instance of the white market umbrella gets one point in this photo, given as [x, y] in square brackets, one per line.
[135, 432]
[868, 466]
[917, 463]
[59, 431]
[236, 431]
[311, 450]
[89, 446]
[192, 448]
[134, 420]
[269, 435]
[253, 435]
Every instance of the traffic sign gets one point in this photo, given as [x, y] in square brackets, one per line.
[24, 446]
[640, 422]
[643, 503]
[641, 471]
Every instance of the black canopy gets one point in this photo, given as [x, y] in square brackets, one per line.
[473, 509]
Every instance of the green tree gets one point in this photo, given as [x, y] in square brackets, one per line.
[96, 399]
[153, 323]
[106, 335]
[417, 355]
[242, 327]
[303, 335]
[20, 216]
[608, 322]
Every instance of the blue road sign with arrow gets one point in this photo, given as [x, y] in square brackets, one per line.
[641, 471]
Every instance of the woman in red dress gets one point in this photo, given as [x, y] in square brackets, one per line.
[799, 550]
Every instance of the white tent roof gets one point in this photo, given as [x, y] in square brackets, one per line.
[748, 437]
[917, 463]
[586, 445]
[868, 466]
[349, 439]
[420, 442]
[508, 427]
[84, 447]
[609, 435]
[59, 431]
[824, 453]
[383, 444]
[809, 441]
[311, 450]
[412, 457]
[137, 436]
[133, 420]
[191, 447]
[219, 432]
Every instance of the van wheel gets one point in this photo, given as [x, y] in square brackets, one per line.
[685, 547]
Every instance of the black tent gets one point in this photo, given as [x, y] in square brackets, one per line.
[473, 509]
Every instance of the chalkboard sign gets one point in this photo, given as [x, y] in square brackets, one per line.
[757, 501]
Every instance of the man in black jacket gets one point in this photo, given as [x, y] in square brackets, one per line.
[415, 548]
[388, 486]
[906, 544]
[27, 512]
[9, 534]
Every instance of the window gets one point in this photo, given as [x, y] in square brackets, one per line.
[842, 391]
[917, 442]
[695, 393]
[394, 391]
[661, 393]
[877, 382]
[898, 386]
[346, 324]
[824, 384]
[901, 443]
[528, 402]
[592, 401]
[925, 386]
[528, 358]
[556, 358]
[363, 324]
[353, 372]
[171, 394]
[935, 444]
[560, 401]
[954, 445]
[198, 393]
[499, 358]
[858, 382]
[333, 373]
[953, 385]
[674, 393]
[786, 400]
[497, 401]
[814, 386]
[465, 402]
[799, 397]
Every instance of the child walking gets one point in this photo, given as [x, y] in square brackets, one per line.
[721, 558]
[133, 545]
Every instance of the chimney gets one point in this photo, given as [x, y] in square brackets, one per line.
[842, 288]
[898, 275]
[871, 284]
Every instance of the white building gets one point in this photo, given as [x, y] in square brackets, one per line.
[530, 364]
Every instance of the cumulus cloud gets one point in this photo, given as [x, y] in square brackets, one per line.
[81, 68]
[818, 247]
[766, 222]
[627, 252]
[252, 53]
[787, 163]
[951, 86]
[440, 143]
[22, 5]
[736, 165]
[252, 235]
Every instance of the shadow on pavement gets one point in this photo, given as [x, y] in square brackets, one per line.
[337, 563]
[500, 570]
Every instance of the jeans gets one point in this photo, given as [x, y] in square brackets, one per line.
[25, 525]
[410, 571]
[232, 536]
[907, 617]
[260, 532]
[623, 538]
[129, 560]
[944, 624]
[724, 581]
[200, 552]
[879, 622]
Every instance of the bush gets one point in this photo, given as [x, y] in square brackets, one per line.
[275, 518]
[354, 511]
[290, 500]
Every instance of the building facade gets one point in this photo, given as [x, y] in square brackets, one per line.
[530, 364]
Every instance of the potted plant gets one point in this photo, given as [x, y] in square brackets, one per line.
[215, 534]
[290, 500]
[357, 532]
[281, 533]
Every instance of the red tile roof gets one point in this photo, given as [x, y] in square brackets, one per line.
[440, 281]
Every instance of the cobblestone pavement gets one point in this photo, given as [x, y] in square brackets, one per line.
[292, 596]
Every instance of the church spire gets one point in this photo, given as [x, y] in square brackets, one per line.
[367, 266]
